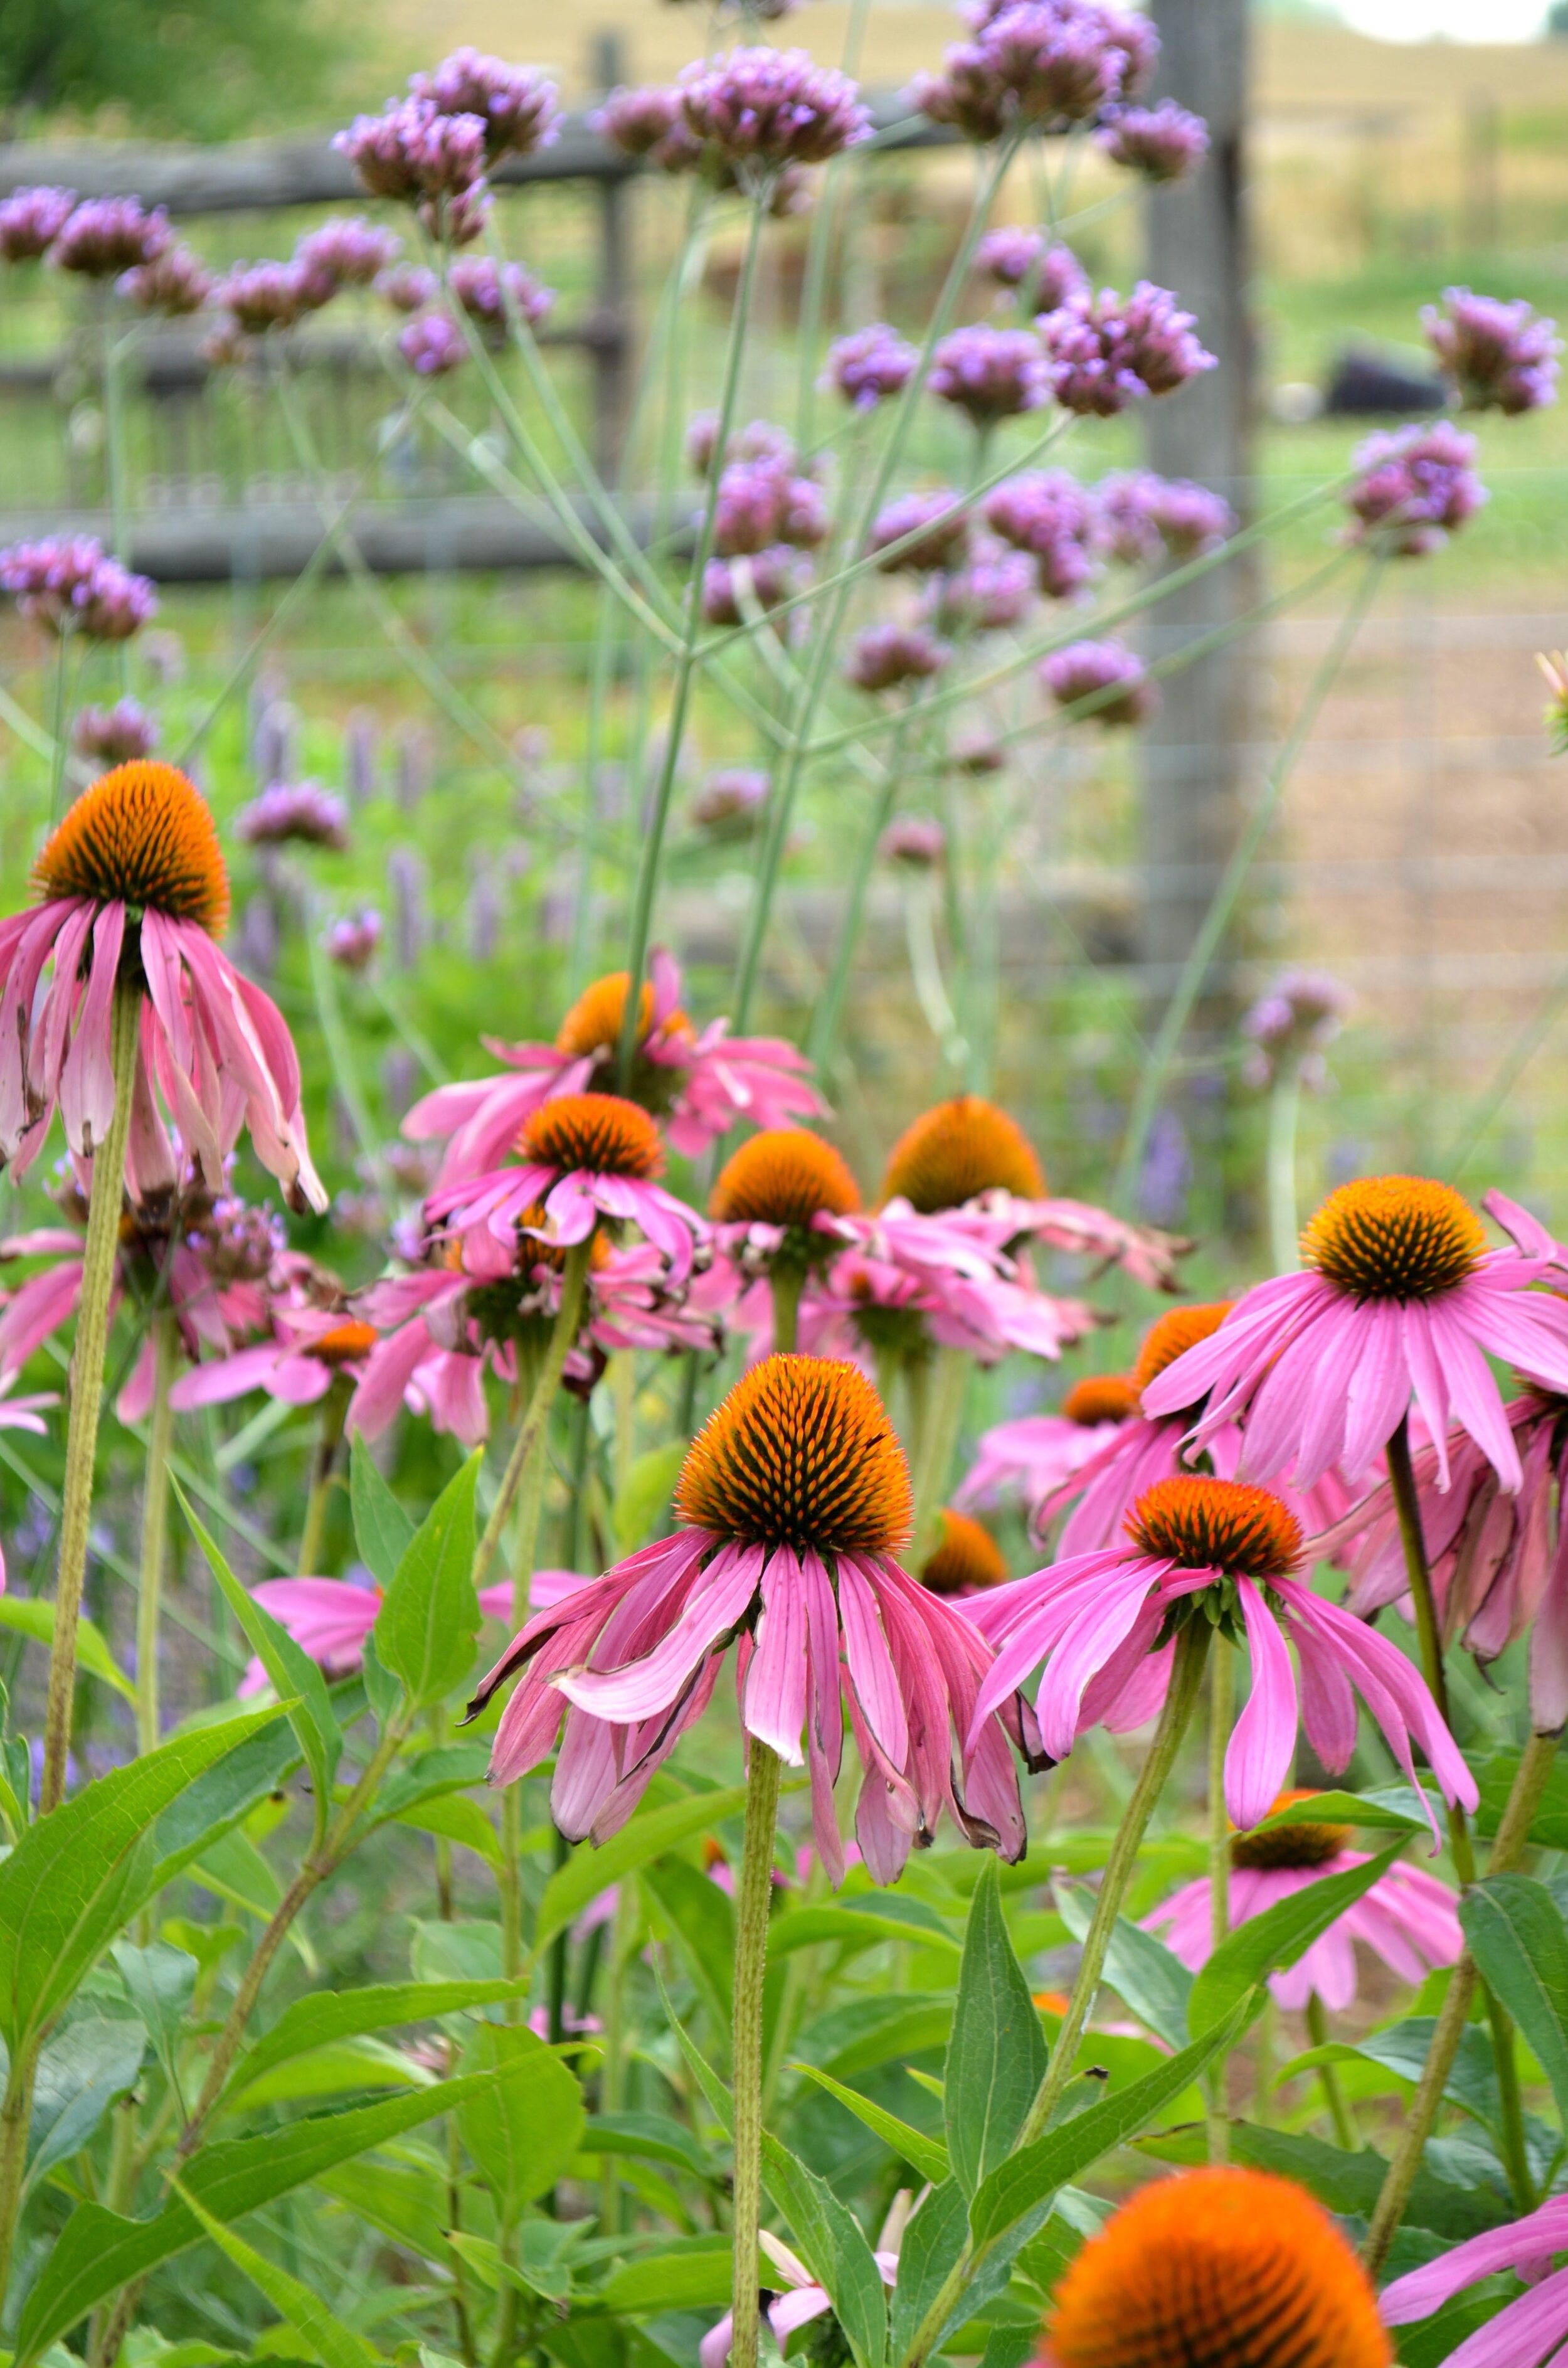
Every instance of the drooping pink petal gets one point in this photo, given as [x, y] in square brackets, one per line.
[775, 1704]
[646, 1686]
[1263, 1742]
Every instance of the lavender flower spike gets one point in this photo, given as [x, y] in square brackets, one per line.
[517, 105]
[1497, 355]
[759, 110]
[1162, 144]
[990, 373]
[31, 219]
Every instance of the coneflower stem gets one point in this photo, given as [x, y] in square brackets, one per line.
[937, 1439]
[86, 1389]
[1346, 2133]
[154, 1530]
[1513, 1838]
[1221, 1712]
[574, 1284]
[753, 1898]
[329, 1438]
[525, 1546]
[786, 1284]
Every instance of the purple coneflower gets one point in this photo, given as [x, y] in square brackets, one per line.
[1526, 2332]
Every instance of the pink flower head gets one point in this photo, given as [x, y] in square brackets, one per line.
[1048, 514]
[1401, 1299]
[792, 1503]
[1103, 1624]
[1044, 63]
[1037, 1455]
[1009, 253]
[517, 105]
[913, 841]
[1497, 355]
[133, 884]
[1114, 677]
[259, 297]
[1148, 516]
[31, 219]
[1164, 142]
[997, 588]
[1407, 1920]
[495, 293]
[115, 735]
[330, 1618]
[764, 501]
[868, 365]
[647, 122]
[66, 583]
[433, 344]
[920, 531]
[989, 373]
[801, 2300]
[1526, 2332]
[909, 1279]
[174, 283]
[887, 657]
[1292, 1025]
[1417, 487]
[415, 150]
[759, 110]
[103, 236]
[699, 1083]
[1107, 351]
[352, 939]
[300, 812]
[408, 287]
[731, 589]
[345, 251]
[731, 799]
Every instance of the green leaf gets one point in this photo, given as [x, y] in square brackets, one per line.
[588, 1872]
[324, 2338]
[1350, 2184]
[431, 1776]
[996, 2052]
[343, 2066]
[702, 1923]
[1036, 2171]
[871, 2031]
[31, 1616]
[83, 2066]
[383, 1530]
[653, 2136]
[857, 1924]
[78, 1875]
[327, 2015]
[644, 1495]
[430, 1615]
[1518, 1939]
[1495, 1774]
[713, 2089]
[1140, 1969]
[1402, 2051]
[831, 2243]
[1268, 1942]
[926, 2155]
[523, 2130]
[234, 1869]
[99, 2251]
[932, 2243]
[382, 1692]
[292, 1672]
[1396, 1807]
[408, 2200]
[160, 1981]
[451, 1818]
[700, 2280]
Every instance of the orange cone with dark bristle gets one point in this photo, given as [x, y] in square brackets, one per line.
[1394, 1238]
[801, 1452]
[961, 1148]
[783, 1177]
[600, 1132]
[1101, 1397]
[1205, 1524]
[1292, 1846]
[967, 1557]
[592, 1024]
[1173, 1334]
[141, 836]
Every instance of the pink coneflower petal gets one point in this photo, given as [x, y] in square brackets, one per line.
[1535, 2238]
[1086, 1641]
[1523, 2332]
[774, 1709]
[713, 1607]
[1379, 1389]
[871, 1672]
[1263, 1741]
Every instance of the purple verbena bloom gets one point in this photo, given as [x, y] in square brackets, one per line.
[1417, 486]
[761, 109]
[639, 122]
[1009, 253]
[1498, 356]
[731, 798]
[938, 519]
[347, 251]
[1049, 514]
[1105, 352]
[1294, 1021]
[1147, 515]
[1040, 62]
[759, 440]
[351, 941]
[914, 841]
[433, 344]
[761, 503]
[868, 365]
[884, 657]
[990, 373]
[995, 590]
[414, 150]
[1087, 668]
[117, 734]
[174, 283]
[977, 752]
[1164, 142]
[104, 236]
[764, 577]
[31, 219]
[66, 583]
[459, 219]
[407, 286]
[494, 292]
[517, 105]
[262, 296]
[290, 811]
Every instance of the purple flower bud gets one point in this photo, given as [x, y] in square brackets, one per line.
[1087, 668]
[494, 292]
[408, 287]
[31, 219]
[765, 577]
[1298, 1017]
[639, 122]
[1009, 253]
[1418, 485]
[118, 603]
[66, 585]
[347, 251]
[1049, 514]
[869, 365]
[517, 105]
[104, 236]
[1164, 142]
[432, 345]
[990, 373]
[913, 841]
[937, 518]
[300, 812]
[762, 503]
[174, 283]
[1497, 355]
[1105, 352]
[460, 218]
[1147, 515]
[729, 799]
[415, 150]
[262, 296]
[978, 752]
[884, 657]
[117, 734]
[761, 109]
[995, 590]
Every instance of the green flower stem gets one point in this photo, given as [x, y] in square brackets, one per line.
[786, 1283]
[1346, 2133]
[753, 1898]
[524, 1543]
[1181, 1699]
[1221, 1716]
[1227, 892]
[154, 1530]
[1284, 1111]
[939, 1439]
[86, 1389]
[329, 1438]
[1512, 1839]
[826, 219]
[685, 664]
[574, 1286]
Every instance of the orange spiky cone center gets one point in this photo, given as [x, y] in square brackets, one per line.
[600, 1132]
[967, 1557]
[783, 1177]
[1290, 1846]
[1101, 1397]
[1226, 1525]
[1172, 1335]
[801, 1453]
[1394, 1238]
[345, 1343]
[592, 1027]
[961, 1148]
[1218, 2269]
[143, 836]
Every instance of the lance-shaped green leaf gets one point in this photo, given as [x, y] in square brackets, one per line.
[324, 2338]
[1518, 1939]
[430, 1615]
[926, 2155]
[77, 1876]
[1348, 2183]
[83, 2066]
[1140, 1969]
[524, 2129]
[383, 1530]
[33, 1616]
[996, 2052]
[160, 1981]
[1267, 1943]
[648, 1837]
[327, 2015]
[1396, 1808]
[830, 2241]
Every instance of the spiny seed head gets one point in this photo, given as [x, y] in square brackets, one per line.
[783, 1177]
[966, 1557]
[1394, 1238]
[1172, 1335]
[1101, 1397]
[957, 1149]
[593, 1025]
[1217, 2269]
[601, 1133]
[143, 836]
[801, 1452]
[345, 1344]
[1216, 1525]
[1290, 1846]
